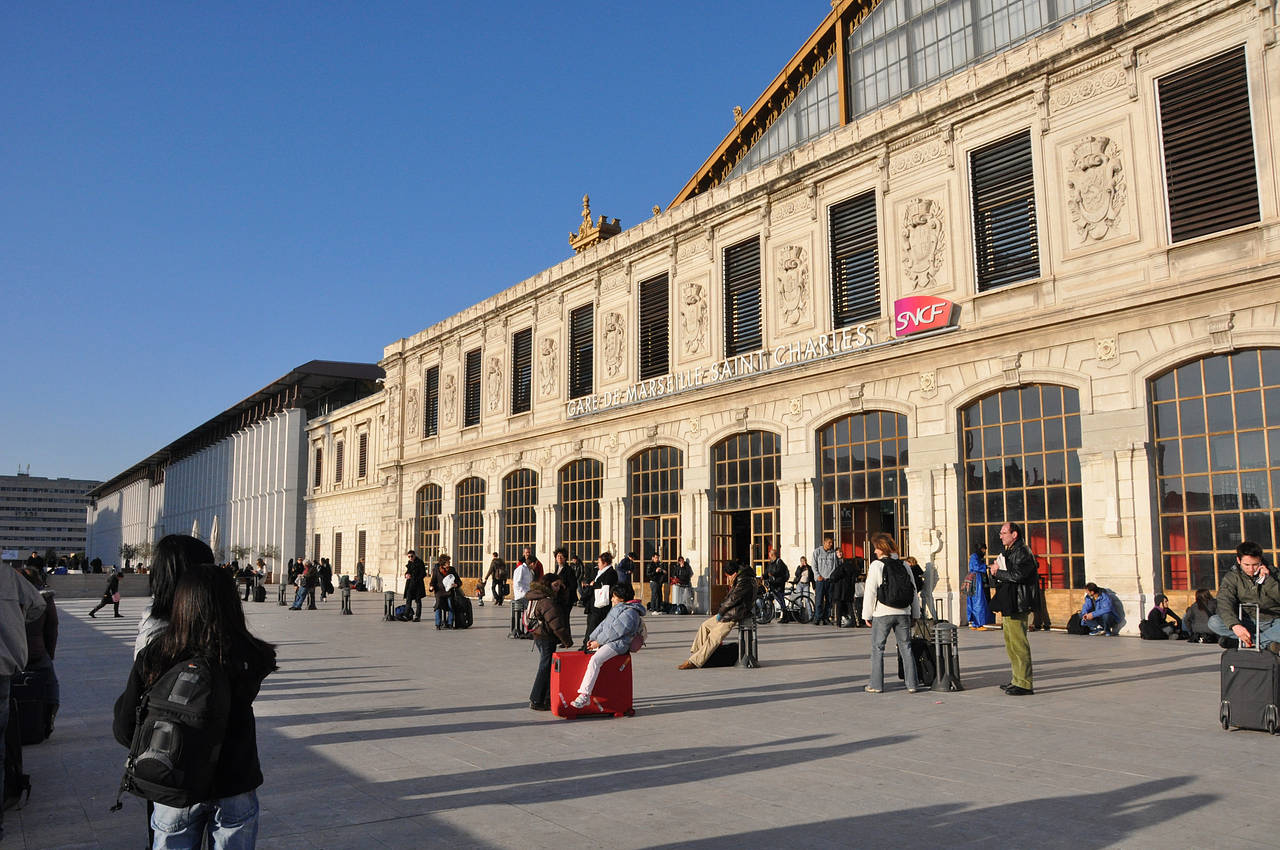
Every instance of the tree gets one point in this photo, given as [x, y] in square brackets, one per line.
[144, 551]
[128, 552]
[241, 552]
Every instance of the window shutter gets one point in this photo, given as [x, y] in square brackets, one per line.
[337, 552]
[1210, 173]
[521, 370]
[362, 456]
[471, 412]
[1004, 213]
[742, 328]
[339, 455]
[360, 545]
[431, 403]
[654, 328]
[318, 478]
[581, 341]
[855, 260]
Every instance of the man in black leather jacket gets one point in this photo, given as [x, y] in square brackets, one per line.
[735, 607]
[1017, 587]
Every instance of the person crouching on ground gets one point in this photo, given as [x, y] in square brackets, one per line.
[1096, 612]
[735, 607]
[611, 638]
[206, 620]
[889, 604]
[550, 629]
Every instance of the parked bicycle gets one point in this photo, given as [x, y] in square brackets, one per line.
[799, 604]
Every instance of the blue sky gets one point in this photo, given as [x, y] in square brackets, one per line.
[199, 197]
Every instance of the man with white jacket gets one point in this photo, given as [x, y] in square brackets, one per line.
[889, 603]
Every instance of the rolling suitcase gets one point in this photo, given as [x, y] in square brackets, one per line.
[27, 692]
[922, 652]
[518, 629]
[461, 607]
[1250, 687]
[611, 695]
[259, 593]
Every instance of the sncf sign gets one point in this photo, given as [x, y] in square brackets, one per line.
[918, 313]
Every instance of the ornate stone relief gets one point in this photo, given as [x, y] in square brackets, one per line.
[693, 317]
[449, 399]
[1108, 351]
[615, 337]
[795, 205]
[695, 428]
[796, 408]
[693, 248]
[390, 425]
[547, 367]
[494, 385]
[411, 411]
[613, 280]
[1009, 366]
[929, 384]
[792, 262]
[611, 442]
[923, 241]
[1220, 327]
[917, 156]
[1095, 186]
[1080, 90]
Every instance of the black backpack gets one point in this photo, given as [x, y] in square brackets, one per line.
[897, 588]
[179, 727]
[17, 785]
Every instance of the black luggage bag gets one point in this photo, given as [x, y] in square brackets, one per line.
[1250, 687]
[922, 652]
[259, 592]
[27, 691]
[518, 629]
[461, 609]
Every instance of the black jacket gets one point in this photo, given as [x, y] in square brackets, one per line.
[737, 602]
[238, 768]
[778, 574]
[552, 612]
[415, 579]
[1018, 584]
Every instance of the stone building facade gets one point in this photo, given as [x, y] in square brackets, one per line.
[1032, 288]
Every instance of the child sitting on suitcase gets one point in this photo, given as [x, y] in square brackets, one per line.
[612, 637]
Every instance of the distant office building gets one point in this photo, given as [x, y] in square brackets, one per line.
[242, 473]
[39, 514]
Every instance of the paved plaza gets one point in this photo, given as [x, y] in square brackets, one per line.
[377, 734]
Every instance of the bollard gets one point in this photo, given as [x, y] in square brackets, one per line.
[346, 599]
[389, 605]
[946, 654]
[280, 595]
[748, 650]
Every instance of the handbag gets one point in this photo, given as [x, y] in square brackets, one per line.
[115, 597]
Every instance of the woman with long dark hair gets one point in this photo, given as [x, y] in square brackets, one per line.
[205, 620]
[173, 555]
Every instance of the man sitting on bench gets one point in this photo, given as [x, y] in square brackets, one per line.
[735, 608]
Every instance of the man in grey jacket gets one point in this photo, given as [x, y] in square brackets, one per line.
[1250, 582]
[825, 560]
[20, 603]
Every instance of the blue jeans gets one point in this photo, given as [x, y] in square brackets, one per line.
[820, 600]
[780, 599]
[541, 692]
[1106, 621]
[299, 598]
[444, 616]
[231, 821]
[1268, 634]
[900, 625]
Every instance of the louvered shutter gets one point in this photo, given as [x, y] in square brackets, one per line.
[855, 261]
[431, 403]
[521, 370]
[1210, 173]
[654, 330]
[471, 409]
[581, 338]
[1004, 213]
[742, 331]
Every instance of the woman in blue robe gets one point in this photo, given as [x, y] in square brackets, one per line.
[978, 602]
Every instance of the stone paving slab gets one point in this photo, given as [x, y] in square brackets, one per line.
[395, 735]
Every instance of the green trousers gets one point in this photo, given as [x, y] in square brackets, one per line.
[1014, 627]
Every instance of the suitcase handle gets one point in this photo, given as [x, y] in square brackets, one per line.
[1257, 617]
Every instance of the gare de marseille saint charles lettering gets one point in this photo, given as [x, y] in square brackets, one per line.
[913, 315]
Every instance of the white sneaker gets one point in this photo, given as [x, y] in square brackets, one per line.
[582, 701]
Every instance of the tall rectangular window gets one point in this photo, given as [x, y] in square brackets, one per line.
[431, 402]
[1004, 212]
[315, 548]
[337, 552]
[362, 455]
[339, 455]
[855, 260]
[742, 327]
[1209, 169]
[655, 331]
[318, 475]
[581, 351]
[471, 408]
[361, 539]
[522, 370]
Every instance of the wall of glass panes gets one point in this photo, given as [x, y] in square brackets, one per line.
[814, 112]
[427, 514]
[1021, 464]
[580, 487]
[1216, 424]
[655, 478]
[862, 458]
[469, 557]
[519, 513]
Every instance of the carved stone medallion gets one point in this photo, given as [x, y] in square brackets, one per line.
[1096, 190]
[923, 241]
[793, 283]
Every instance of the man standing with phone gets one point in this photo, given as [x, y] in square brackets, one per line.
[1017, 587]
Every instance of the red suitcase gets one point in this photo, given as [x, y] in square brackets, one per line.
[612, 693]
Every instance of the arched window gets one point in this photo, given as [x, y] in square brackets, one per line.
[427, 515]
[1216, 423]
[655, 478]
[469, 505]
[519, 513]
[580, 485]
[744, 517]
[1021, 465]
[862, 485]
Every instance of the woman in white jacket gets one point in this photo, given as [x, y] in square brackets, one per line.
[884, 613]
